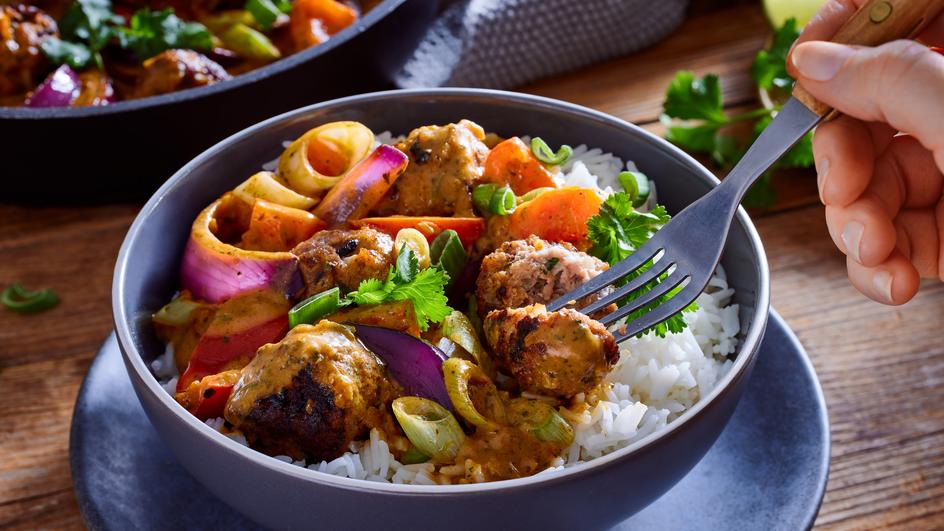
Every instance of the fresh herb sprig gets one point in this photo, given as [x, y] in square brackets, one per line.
[695, 119]
[406, 281]
[617, 232]
[90, 25]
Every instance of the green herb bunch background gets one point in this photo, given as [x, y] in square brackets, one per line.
[695, 119]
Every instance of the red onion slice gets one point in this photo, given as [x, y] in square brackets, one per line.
[59, 89]
[214, 271]
[413, 363]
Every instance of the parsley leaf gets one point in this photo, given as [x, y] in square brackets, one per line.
[689, 98]
[424, 288]
[617, 232]
[770, 66]
[694, 117]
[86, 28]
[152, 32]
[60, 52]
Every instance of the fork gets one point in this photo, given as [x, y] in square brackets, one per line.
[685, 252]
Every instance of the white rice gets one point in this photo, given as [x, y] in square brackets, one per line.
[654, 382]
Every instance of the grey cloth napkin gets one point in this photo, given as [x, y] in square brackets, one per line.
[506, 43]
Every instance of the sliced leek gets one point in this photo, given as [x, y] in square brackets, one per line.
[460, 330]
[460, 376]
[431, 428]
[265, 185]
[541, 420]
[318, 159]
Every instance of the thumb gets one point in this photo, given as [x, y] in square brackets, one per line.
[899, 83]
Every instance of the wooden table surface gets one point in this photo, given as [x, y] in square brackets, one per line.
[882, 368]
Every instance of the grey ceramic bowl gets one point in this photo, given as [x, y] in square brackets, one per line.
[279, 495]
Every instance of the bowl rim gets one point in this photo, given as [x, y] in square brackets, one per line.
[284, 64]
[747, 349]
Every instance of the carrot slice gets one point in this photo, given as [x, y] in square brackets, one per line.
[512, 163]
[556, 215]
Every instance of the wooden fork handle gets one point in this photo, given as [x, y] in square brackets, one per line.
[878, 22]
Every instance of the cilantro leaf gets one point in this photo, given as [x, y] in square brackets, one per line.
[407, 266]
[689, 98]
[152, 32]
[427, 293]
[770, 66]
[426, 289]
[617, 232]
[86, 28]
[59, 52]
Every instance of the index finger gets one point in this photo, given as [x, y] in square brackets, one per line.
[835, 13]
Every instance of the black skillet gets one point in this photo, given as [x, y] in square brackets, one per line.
[125, 150]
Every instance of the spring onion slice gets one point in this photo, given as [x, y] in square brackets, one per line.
[249, 43]
[314, 308]
[491, 199]
[460, 375]
[176, 312]
[447, 252]
[430, 427]
[636, 185]
[503, 201]
[264, 11]
[541, 420]
[460, 330]
[413, 456]
[533, 194]
[482, 196]
[544, 154]
[21, 300]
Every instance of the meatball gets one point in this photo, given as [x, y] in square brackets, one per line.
[343, 258]
[311, 394]
[524, 272]
[559, 354]
[445, 163]
[173, 70]
[22, 29]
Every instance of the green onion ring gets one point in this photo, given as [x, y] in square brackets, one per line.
[448, 252]
[315, 308]
[21, 300]
[541, 420]
[636, 185]
[432, 429]
[503, 202]
[544, 154]
[264, 11]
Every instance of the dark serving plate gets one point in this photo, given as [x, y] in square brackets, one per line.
[126, 150]
[767, 471]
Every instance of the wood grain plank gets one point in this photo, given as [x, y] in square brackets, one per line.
[722, 42]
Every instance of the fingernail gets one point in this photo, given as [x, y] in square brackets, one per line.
[822, 170]
[852, 237]
[821, 61]
[883, 284]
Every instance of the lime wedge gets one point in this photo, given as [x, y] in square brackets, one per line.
[778, 11]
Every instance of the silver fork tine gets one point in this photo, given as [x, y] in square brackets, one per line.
[660, 289]
[611, 275]
[674, 305]
[651, 274]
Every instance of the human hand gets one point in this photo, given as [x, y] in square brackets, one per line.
[880, 165]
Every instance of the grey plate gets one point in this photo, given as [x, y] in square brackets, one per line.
[767, 471]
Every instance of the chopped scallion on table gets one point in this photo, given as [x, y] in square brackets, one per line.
[21, 300]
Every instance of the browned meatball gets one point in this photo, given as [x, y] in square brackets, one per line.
[173, 70]
[445, 163]
[311, 394]
[558, 353]
[22, 29]
[524, 272]
[343, 258]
